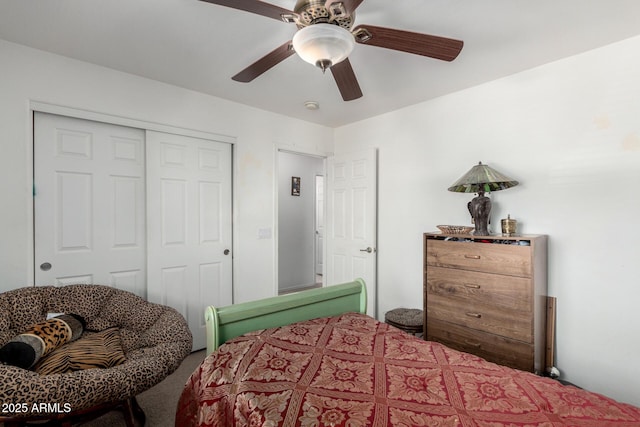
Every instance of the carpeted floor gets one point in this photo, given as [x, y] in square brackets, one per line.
[159, 403]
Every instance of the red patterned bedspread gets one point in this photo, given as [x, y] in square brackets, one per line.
[352, 370]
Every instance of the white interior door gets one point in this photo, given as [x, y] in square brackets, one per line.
[89, 203]
[101, 215]
[351, 221]
[189, 226]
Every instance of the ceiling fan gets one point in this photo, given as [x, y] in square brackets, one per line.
[325, 38]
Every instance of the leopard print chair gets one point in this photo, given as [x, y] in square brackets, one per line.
[155, 340]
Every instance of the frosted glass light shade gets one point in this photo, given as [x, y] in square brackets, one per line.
[323, 45]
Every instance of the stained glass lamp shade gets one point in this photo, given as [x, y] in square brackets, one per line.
[481, 179]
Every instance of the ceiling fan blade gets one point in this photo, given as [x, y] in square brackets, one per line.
[263, 64]
[349, 5]
[406, 41]
[254, 6]
[346, 80]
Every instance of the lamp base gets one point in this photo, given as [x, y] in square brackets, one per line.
[480, 208]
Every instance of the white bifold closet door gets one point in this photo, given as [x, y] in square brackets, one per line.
[138, 210]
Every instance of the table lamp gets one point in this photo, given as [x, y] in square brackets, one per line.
[481, 179]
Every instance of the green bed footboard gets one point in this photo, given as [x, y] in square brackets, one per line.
[224, 323]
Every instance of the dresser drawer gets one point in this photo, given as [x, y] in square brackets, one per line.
[505, 291]
[497, 258]
[509, 323]
[494, 348]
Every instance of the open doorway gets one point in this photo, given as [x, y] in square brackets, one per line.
[300, 221]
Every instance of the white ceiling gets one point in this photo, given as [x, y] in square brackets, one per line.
[199, 46]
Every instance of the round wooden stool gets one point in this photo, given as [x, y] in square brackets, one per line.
[409, 320]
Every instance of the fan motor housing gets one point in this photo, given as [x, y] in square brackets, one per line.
[314, 12]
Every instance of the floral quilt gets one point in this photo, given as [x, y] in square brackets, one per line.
[352, 370]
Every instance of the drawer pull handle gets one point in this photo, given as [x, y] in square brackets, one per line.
[472, 344]
[475, 315]
[471, 286]
[472, 256]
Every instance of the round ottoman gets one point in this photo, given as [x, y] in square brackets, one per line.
[409, 320]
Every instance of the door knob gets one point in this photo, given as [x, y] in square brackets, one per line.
[368, 250]
[226, 251]
[45, 266]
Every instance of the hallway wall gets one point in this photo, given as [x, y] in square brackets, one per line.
[296, 220]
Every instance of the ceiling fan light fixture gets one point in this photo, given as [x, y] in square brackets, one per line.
[323, 45]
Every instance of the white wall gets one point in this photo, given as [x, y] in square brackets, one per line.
[570, 133]
[296, 220]
[28, 75]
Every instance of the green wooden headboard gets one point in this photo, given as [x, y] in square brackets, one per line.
[224, 323]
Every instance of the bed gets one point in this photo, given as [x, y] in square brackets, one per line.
[315, 358]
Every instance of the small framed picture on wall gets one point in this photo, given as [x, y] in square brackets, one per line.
[295, 185]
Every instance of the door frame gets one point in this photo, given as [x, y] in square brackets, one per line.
[301, 152]
[43, 107]
[321, 252]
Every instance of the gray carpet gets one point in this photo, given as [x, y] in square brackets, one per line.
[159, 403]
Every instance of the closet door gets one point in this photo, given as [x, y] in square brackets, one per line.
[89, 202]
[143, 211]
[189, 225]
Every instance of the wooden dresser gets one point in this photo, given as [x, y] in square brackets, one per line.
[487, 296]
